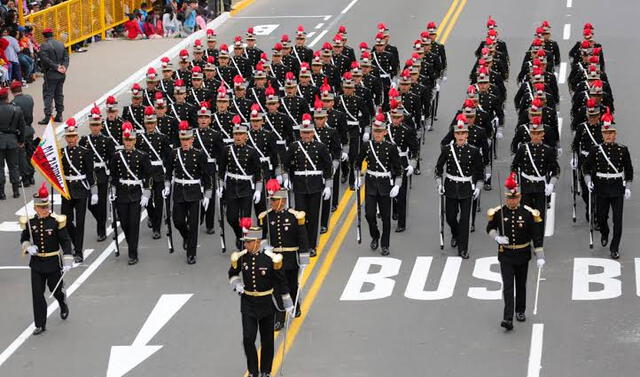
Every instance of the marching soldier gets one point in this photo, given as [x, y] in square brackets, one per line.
[551, 136]
[438, 48]
[77, 163]
[223, 118]
[307, 88]
[371, 80]
[288, 58]
[238, 61]
[149, 93]
[515, 228]
[608, 173]
[240, 104]
[460, 183]
[130, 187]
[211, 143]
[337, 119]
[102, 149]
[329, 70]
[382, 63]
[348, 51]
[12, 130]
[180, 108]
[210, 80]
[292, 104]
[240, 172]
[256, 275]
[113, 123]
[156, 146]
[278, 68]
[256, 92]
[166, 83]
[537, 166]
[302, 53]
[42, 237]
[198, 55]
[188, 171]
[587, 135]
[167, 123]
[341, 61]
[309, 163]
[393, 50]
[198, 93]
[134, 113]
[225, 71]
[357, 117]
[252, 52]
[212, 40]
[287, 235]
[280, 124]
[383, 181]
[550, 45]
[184, 67]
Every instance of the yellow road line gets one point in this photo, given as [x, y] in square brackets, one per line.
[451, 24]
[444, 21]
[240, 6]
[295, 326]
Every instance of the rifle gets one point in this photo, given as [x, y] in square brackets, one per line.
[223, 243]
[437, 102]
[359, 227]
[441, 222]
[494, 123]
[590, 221]
[114, 224]
[574, 187]
[167, 221]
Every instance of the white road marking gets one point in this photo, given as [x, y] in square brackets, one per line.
[326, 18]
[318, 38]
[563, 73]
[10, 226]
[602, 284]
[569, 3]
[566, 32]
[19, 341]
[256, 17]
[352, 3]
[535, 351]
[318, 26]
[14, 267]
[550, 220]
[311, 34]
[560, 122]
[265, 29]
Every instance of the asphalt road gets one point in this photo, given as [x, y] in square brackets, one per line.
[418, 312]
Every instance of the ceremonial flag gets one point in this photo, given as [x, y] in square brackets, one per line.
[48, 161]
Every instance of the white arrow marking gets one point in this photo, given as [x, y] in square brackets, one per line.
[125, 358]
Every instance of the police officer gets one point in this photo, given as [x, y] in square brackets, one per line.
[54, 60]
[287, 235]
[113, 123]
[101, 149]
[77, 163]
[608, 173]
[190, 174]
[131, 174]
[42, 237]
[516, 229]
[256, 275]
[241, 178]
[12, 130]
[462, 183]
[383, 181]
[25, 103]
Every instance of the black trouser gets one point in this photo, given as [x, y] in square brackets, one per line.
[10, 155]
[156, 206]
[250, 326]
[53, 89]
[537, 200]
[617, 204]
[99, 211]
[511, 272]
[38, 282]
[185, 219]
[129, 216]
[372, 203]
[335, 195]
[24, 160]
[459, 227]
[400, 202]
[292, 283]
[237, 208]
[210, 213]
[386, 85]
[584, 192]
[75, 210]
[260, 207]
[310, 204]
[354, 151]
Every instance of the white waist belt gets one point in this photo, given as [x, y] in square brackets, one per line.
[239, 176]
[211, 160]
[384, 76]
[296, 127]
[404, 154]
[584, 153]
[228, 140]
[119, 147]
[533, 178]
[282, 142]
[99, 165]
[156, 163]
[459, 179]
[265, 159]
[353, 123]
[307, 172]
[610, 175]
[76, 177]
[131, 182]
[187, 181]
[379, 174]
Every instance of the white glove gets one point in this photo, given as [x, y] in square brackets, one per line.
[279, 178]
[304, 260]
[502, 240]
[437, 87]
[144, 201]
[444, 79]
[166, 190]
[394, 191]
[627, 194]
[94, 199]
[365, 137]
[288, 304]
[499, 134]
[409, 170]
[487, 176]
[237, 286]
[112, 195]
[344, 156]
[205, 203]
[440, 189]
[548, 189]
[256, 196]
[357, 182]
[559, 150]
[286, 183]
[590, 186]
[219, 191]
[326, 193]
[540, 262]
[32, 250]
[335, 164]
[476, 193]
[574, 163]
[66, 268]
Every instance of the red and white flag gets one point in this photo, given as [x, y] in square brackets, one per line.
[48, 161]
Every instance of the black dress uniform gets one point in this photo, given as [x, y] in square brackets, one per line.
[308, 91]
[374, 83]
[168, 125]
[196, 96]
[310, 167]
[294, 107]
[282, 127]
[587, 135]
[303, 54]
[184, 111]
[253, 55]
[77, 163]
[102, 149]
[113, 130]
[167, 86]
[256, 277]
[223, 122]
[382, 63]
[264, 142]
[357, 119]
[384, 171]
[211, 143]
[130, 176]
[329, 137]
[406, 141]
[49, 235]
[135, 115]
[523, 135]
[241, 106]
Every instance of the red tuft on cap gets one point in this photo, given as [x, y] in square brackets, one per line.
[342, 29]
[269, 91]
[43, 193]
[272, 186]
[196, 69]
[183, 126]
[71, 122]
[255, 107]
[245, 222]
[510, 183]
[317, 103]
[285, 38]
[149, 111]
[111, 100]
[236, 119]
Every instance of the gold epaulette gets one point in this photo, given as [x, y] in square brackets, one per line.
[235, 256]
[299, 215]
[262, 215]
[61, 219]
[535, 213]
[276, 258]
[492, 211]
[22, 220]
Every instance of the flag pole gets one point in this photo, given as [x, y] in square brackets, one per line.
[26, 212]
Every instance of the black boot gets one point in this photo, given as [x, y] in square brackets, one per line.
[64, 310]
[16, 190]
[39, 330]
[374, 244]
[508, 325]
[615, 255]
[604, 239]
[58, 118]
[384, 251]
[520, 317]
[44, 121]
[26, 182]
[3, 196]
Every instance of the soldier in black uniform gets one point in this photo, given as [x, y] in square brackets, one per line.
[382, 63]
[371, 80]
[241, 175]
[262, 277]
[225, 71]
[538, 169]
[309, 164]
[551, 136]
[77, 163]
[515, 228]
[239, 62]
[240, 104]
[340, 60]
[42, 237]
[156, 146]
[252, 52]
[393, 50]
[287, 234]
[293, 104]
[337, 119]
[288, 58]
[134, 113]
[166, 83]
[113, 123]
[362, 90]
[198, 93]
[357, 121]
[211, 81]
[184, 67]
[180, 108]
[278, 68]
[12, 130]
[211, 143]
[130, 187]
[102, 149]
[438, 49]
[189, 172]
[279, 123]
[212, 40]
[198, 59]
[302, 53]
[257, 88]
[222, 117]
[587, 135]
[167, 123]
[551, 46]
[462, 183]
[608, 173]
[149, 93]
[383, 181]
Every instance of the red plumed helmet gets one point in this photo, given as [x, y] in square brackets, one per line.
[245, 222]
[95, 110]
[236, 119]
[197, 42]
[538, 86]
[393, 104]
[306, 117]
[237, 79]
[317, 103]
[469, 103]
[250, 30]
[71, 122]
[536, 120]
[342, 29]
[364, 46]
[461, 120]
[393, 92]
[148, 111]
[159, 95]
[289, 76]
[510, 183]
[178, 82]
[380, 117]
[326, 46]
[196, 69]
[184, 52]
[591, 102]
[43, 193]
[111, 100]
[607, 117]
[183, 126]
[272, 186]
[205, 104]
[269, 91]
[471, 89]
[285, 38]
[491, 23]
[431, 25]
[537, 102]
[165, 59]
[255, 107]
[211, 59]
